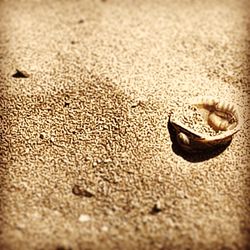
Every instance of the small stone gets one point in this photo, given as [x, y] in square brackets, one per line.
[156, 208]
[104, 228]
[87, 158]
[81, 21]
[160, 179]
[20, 74]
[20, 226]
[84, 218]
[107, 161]
[139, 103]
[134, 105]
[42, 136]
[80, 191]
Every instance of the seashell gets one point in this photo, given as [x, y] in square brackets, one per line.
[213, 123]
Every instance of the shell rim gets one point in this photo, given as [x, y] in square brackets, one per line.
[202, 136]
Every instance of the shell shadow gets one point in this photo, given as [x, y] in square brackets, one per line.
[193, 157]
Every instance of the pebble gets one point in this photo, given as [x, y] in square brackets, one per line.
[20, 226]
[107, 161]
[20, 74]
[80, 191]
[87, 158]
[84, 218]
[42, 136]
[156, 208]
[98, 161]
[104, 228]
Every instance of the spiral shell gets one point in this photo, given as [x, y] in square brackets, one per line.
[221, 117]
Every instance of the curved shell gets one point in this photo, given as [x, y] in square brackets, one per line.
[221, 117]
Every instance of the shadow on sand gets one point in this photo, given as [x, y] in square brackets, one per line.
[194, 157]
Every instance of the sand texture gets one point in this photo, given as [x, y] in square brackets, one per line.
[86, 155]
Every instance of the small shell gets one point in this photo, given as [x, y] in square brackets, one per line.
[221, 121]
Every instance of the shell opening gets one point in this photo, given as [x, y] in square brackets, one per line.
[219, 115]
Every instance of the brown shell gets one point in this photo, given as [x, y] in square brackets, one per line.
[220, 115]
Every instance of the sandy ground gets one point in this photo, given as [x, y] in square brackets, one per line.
[87, 161]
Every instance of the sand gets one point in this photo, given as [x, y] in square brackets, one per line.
[191, 117]
[87, 160]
